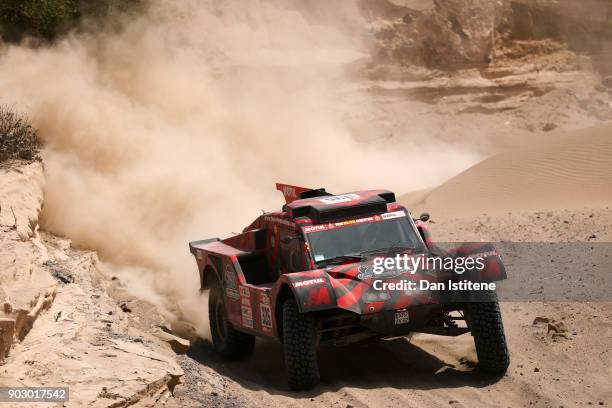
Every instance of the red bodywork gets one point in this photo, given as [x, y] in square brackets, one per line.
[258, 269]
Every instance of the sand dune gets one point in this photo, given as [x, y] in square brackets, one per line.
[567, 170]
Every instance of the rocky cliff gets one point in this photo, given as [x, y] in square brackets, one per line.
[456, 34]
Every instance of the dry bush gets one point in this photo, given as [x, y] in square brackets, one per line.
[18, 139]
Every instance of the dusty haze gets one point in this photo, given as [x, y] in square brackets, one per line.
[176, 128]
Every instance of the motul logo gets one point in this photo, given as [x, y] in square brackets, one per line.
[314, 228]
[308, 282]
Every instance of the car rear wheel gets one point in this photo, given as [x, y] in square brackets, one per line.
[485, 323]
[227, 341]
[300, 343]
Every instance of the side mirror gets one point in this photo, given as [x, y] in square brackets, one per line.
[424, 217]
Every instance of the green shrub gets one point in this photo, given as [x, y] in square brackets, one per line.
[38, 18]
[18, 139]
[49, 19]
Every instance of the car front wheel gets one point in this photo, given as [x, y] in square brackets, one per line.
[300, 343]
[485, 323]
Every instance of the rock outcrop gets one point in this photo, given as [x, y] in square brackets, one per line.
[26, 288]
[58, 323]
[21, 197]
[456, 34]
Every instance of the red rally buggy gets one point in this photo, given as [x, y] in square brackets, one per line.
[305, 276]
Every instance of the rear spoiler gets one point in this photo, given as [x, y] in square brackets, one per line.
[292, 193]
[194, 244]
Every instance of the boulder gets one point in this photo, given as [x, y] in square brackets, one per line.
[540, 320]
[178, 344]
[7, 335]
[557, 327]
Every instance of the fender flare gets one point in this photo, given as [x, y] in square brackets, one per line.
[312, 290]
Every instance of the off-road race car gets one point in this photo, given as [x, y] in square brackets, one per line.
[306, 276]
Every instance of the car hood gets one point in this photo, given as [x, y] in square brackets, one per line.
[355, 286]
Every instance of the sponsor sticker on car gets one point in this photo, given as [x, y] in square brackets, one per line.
[314, 228]
[402, 317]
[266, 317]
[318, 296]
[231, 285]
[247, 316]
[353, 222]
[282, 221]
[394, 214]
[289, 191]
[342, 224]
[245, 295]
[343, 198]
[317, 281]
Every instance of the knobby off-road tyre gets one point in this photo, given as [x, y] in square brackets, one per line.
[227, 341]
[485, 323]
[299, 338]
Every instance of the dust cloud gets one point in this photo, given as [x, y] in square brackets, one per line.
[176, 128]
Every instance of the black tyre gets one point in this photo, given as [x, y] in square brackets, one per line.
[485, 323]
[300, 342]
[227, 341]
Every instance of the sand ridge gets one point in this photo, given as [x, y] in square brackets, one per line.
[567, 170]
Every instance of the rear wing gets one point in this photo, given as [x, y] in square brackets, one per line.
[194, 245]
[292, 193]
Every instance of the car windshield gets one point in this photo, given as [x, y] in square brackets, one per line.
[359, 240]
